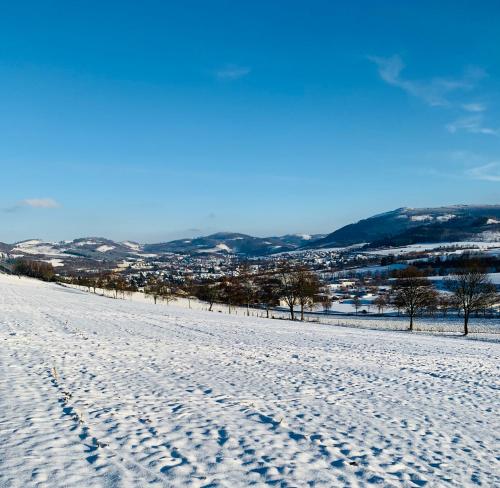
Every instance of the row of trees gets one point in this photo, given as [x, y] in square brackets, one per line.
[293, 284]
[34, 269]
[470, 290]
[114, 282]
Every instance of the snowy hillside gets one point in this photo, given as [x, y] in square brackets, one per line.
[405, 226]
[102, 392]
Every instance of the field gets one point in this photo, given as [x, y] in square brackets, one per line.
[102, 392]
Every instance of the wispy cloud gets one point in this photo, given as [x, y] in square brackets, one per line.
[441, 92]
[40, 203]
[486, 172]
[466, 164]
[474, 107]
[232, 72]
[33, 203]
[473, 124]
[434, 91]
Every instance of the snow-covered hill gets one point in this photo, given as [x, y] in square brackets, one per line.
[405, 226]
[102, 392]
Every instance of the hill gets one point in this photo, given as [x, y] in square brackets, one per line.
[232, 243]
[413, 225]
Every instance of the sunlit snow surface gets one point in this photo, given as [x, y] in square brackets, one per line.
[101, 392]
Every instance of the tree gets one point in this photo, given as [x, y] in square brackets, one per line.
[326, 301]
[288, 286]
[307, 288]
[472, 291]
[445, 303]
[208, 291]
[153, 288]
[231, 291]
[413, 292]
[298, 285]
[189, 288]
[268, 291]
[356, 301]
[381, 303]
[159, 288]
[246, 284]
[117, 283]
[34, 269]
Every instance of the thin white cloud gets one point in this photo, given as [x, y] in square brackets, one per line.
[485, 172]
[32, 203]
[434, 91]
[39, 203]
[232, 72]
[474, 107]
[473, 124]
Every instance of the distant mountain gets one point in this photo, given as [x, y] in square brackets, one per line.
[89, 247]
[413, 225]
[99, 252]
[399, 227]
[231, 243]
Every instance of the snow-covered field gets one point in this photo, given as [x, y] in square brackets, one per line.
[102, 392]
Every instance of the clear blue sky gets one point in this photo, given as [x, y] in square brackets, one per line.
[151, 120]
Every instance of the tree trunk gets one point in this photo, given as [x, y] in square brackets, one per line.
[267, 312]
[292, 313]
[466, 323]
[302, 312]
[411, 322]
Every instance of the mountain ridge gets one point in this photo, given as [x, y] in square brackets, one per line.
[401, 226]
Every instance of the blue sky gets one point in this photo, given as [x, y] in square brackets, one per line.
[154, 120]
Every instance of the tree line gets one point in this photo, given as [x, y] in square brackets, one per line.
[295, 285]
[40, 270]
[469, 291]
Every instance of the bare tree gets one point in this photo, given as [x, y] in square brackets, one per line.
[153, 288]
[189, 288]
[288, 286]
[356, 301]
[208, 291]
[326, 301]
[268, 291]
[246, 284]
[308, 286]
[381, 303]
[445, 303]
[413, 292]
[472, 291]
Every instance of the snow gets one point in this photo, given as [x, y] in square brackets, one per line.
[460, 245]
[421, 218]
[493, 277]
[56, 263]
[492, 221]
[35, 247]
[490, 236]
[29, 243]
[132, 245]
[102, 392]
[445, 217]
[89, 242]
[105, 248]
[217, 248]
